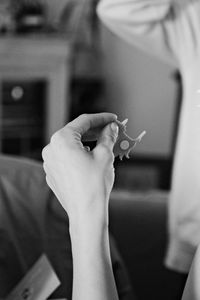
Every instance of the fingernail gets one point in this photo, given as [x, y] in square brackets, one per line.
[114, 127]
[125, 121]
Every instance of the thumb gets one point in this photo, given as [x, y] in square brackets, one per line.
[108, 136]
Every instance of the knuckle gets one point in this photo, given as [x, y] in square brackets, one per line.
[58, 140]
[60, 144]
[83, 116]
[55, 138]
[112, 137]
[45, 152]
[44, 167]
[61, 137]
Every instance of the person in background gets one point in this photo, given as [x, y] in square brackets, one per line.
[169, 29]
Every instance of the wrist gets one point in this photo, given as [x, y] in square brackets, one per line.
[88, 210]
[87, 239]
[89, 224]
[88, 221]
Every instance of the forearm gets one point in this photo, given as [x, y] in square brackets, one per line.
[82, 180]
[92, 269]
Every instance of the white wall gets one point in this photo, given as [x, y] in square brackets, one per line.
[141, 89]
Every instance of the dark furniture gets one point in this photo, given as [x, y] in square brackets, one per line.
[138, 222]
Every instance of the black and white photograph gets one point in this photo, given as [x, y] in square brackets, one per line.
[99, 149]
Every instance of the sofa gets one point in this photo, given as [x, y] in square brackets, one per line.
[138, 221]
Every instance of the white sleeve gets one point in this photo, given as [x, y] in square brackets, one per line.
[148, 24]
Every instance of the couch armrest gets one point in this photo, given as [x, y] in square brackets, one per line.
[138, 221]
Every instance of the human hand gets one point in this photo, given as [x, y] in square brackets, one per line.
[82, 180]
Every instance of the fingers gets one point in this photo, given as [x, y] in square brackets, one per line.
[88, 124]
[70, 137]
[45, 153]
[107, 140]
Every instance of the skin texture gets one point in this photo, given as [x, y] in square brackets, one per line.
[82, 181]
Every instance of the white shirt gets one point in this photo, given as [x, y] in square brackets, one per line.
[171, 30]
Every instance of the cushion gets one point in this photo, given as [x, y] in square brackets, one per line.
[33, 222]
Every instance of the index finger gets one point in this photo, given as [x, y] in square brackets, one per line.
[87, 123]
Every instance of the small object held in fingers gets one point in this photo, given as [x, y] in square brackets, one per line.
[124, 143]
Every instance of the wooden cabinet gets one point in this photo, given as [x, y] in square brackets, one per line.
[27, 59]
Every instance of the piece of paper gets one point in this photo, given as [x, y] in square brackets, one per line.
[38, 284]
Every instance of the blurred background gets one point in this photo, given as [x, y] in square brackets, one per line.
[58, 61]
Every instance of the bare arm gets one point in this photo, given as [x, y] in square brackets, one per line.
[82, 181]
[93, 275]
